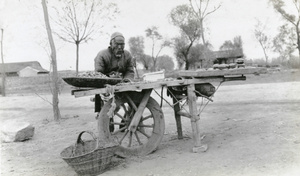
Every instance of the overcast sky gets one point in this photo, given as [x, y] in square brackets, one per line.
[23, 24]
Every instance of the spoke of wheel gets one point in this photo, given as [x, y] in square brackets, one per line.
[119, 130]
[126, 113]
[137, 138]
[124, 107]
[130, 139]
[147, 126]
[131, 102]
[143, 133]
[117, 123]
[120, 142]
[120, 116]
[147, 117]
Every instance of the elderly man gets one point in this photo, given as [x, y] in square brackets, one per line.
[114, 62]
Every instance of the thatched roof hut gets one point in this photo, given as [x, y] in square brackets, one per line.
[237, 53]
[228, 56]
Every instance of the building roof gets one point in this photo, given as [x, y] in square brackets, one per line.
[36, 70]
[15, 67]
[237, 53]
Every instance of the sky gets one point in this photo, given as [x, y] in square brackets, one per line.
[24, 31]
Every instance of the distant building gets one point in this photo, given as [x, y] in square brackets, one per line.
[23, 69]
[227, 56]
[227, 59]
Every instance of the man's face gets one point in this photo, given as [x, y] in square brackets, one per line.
[117, 46]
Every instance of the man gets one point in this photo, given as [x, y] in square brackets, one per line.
[114, 62]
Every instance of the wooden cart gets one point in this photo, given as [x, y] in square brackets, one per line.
[136, 120]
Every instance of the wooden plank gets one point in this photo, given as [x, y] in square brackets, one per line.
[138, 114]
[185, 114]
[177, 118]
[195, 119]
[139, 86]
[209, 73]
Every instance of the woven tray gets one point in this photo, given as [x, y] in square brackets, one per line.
[91, 82]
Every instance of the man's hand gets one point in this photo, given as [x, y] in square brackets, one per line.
[126, 80]
[105, 97]
[109, 93]
[114, 74]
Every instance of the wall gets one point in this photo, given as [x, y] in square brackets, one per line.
[27, 72]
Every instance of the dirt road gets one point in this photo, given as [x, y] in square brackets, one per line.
[251, 129]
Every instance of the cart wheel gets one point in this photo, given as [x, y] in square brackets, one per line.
[150, 129]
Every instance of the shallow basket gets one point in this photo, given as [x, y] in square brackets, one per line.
[91, 81]
[86, 158]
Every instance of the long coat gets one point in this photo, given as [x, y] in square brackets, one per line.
[106, 62]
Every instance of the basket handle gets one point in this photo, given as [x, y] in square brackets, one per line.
[79, 140]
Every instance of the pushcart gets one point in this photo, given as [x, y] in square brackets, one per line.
[135, 119]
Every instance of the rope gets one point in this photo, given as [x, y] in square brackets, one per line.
[172, 105]
[163, 99]
[161, 93]
[110, 94]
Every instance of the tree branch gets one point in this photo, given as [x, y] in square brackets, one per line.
[215, 9]
[87, 22]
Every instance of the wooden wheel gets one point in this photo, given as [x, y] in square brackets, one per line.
[149, 131]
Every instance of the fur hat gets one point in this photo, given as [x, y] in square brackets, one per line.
[117, 36]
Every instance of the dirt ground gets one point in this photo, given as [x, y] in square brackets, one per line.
[250, 129]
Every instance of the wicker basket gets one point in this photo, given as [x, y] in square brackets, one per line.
[86, 158]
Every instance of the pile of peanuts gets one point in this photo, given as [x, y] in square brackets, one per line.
[92, 74]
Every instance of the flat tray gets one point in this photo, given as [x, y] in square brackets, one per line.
[91, 82]
[212, 73]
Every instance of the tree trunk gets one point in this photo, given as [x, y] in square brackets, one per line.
[154, 65]
[3, 69]
[187, 64]
[55, 92]
[298, 39]
[264, 50]
[266, 56]
[202, 32]
[77, 56]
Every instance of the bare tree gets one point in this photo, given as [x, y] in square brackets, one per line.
[146, 60]
[79, 20]
[136, 47]
[263, 39]
[284, 43]
[3, 67]
[182, 16]
[236, 44]
[227, 45]
[294, 19]
[165, 62]
[201, 56]
[155, 36]
[201, 11]
[55, 90]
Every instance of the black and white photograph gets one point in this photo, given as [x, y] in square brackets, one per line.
[150, 87]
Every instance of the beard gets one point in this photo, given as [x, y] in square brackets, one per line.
[118, 52]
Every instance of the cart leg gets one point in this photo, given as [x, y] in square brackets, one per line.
[177, 118]
[195, 120]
